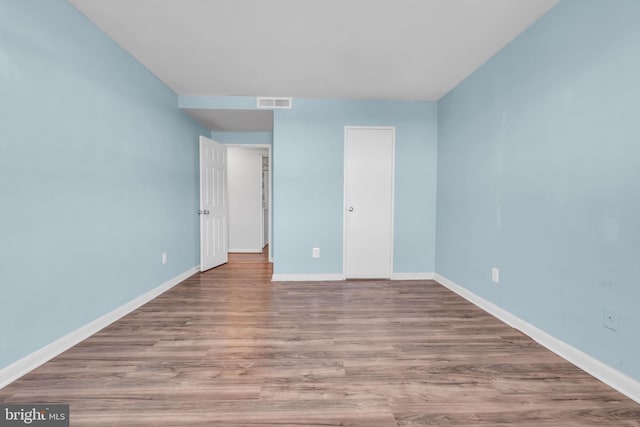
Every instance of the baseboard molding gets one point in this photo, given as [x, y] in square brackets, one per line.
[245, 251]
[336, 277]
[605, 373]
[48, 352]
[413, 276]
[307, 277]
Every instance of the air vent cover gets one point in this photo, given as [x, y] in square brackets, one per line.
[273, 102]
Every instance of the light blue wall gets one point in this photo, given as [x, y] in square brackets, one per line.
[308, 152]
[98, 176]
[539, 175]
[261, 138]
[218, 102]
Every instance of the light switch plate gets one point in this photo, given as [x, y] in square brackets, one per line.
[495, 275]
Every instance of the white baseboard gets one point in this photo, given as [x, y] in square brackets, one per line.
[48, 352]
[413, 276]
[605, 373]
[307, 277]
[335, 277]
[245, 251]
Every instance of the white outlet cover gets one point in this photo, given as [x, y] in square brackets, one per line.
[495, 275]
[315, 253]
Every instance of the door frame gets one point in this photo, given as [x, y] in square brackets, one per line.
[269, 190]
[344, 195]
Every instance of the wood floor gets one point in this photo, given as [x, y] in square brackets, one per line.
[230, 348]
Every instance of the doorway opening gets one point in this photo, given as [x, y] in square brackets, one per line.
[249, 198]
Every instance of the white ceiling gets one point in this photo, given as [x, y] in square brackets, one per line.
[368, 49]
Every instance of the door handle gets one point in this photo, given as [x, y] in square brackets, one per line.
[203, 212]
[350, 209]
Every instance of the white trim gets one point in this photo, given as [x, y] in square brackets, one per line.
[48, 352]
[413, 276]
[605, 373]
[246, 251]
[307, 277]
[344, 202]
[231, 144]
[344, 195]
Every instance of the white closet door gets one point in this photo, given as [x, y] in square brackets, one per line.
[368, 224]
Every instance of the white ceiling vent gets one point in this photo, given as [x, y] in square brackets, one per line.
[273, 102]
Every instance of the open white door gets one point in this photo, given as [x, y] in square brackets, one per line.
[214, 233]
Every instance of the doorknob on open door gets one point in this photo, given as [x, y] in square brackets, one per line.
[350, 209]
[205, 212]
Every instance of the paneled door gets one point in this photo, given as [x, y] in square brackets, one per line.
[368, 216]
[214, 228]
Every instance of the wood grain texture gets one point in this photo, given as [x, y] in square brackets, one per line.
[230, 348]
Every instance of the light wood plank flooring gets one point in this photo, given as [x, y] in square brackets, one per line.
[230, 348]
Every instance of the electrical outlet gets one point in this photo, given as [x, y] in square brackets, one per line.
[315, 253]
[610, 319]
[164, 257]
[495, 275]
